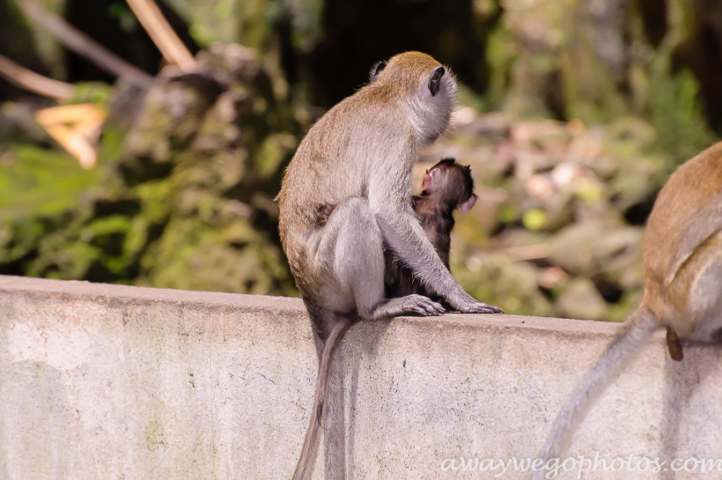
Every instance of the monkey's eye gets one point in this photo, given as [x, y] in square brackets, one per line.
[435, 82]
[376, 70]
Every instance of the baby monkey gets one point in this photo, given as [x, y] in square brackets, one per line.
[446, 187]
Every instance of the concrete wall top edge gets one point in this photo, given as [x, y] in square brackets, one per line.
[293, 306]
[86, 289]
[109, 381]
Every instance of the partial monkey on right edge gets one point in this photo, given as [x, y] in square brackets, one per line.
[683, 286]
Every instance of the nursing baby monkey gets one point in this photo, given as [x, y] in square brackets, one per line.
[358, 158]
[683, 286]
[446, 187]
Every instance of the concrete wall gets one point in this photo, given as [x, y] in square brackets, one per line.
[113, 382]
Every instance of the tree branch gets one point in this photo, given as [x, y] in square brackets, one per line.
[33, 82]
[84, 45]
[162, 34]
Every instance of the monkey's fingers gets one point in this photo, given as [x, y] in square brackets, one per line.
[437, 308]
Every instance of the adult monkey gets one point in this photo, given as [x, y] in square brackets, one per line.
[682, 293]
[359, 157]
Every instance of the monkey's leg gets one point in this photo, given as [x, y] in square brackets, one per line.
[349, 251]
[352, 246]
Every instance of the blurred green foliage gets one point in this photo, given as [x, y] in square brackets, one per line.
[37, 182]
[599, 102]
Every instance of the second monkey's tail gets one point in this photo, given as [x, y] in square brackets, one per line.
[304, 468]
[633, 334]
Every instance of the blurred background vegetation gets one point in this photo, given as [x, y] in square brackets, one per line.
[572, 115]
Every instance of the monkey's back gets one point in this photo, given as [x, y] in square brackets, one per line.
[334, 162]
[686, 219]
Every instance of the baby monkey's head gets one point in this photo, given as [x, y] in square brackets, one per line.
[451, 183]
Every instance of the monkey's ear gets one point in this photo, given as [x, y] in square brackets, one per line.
[467, 205]
[426, 183]
[435, 81]
[376, 71]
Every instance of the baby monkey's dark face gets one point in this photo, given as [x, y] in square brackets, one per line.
[451, 183]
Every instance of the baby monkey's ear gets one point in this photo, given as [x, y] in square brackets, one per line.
[469, 204]
[428, 182]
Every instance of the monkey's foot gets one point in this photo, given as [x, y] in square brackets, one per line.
[410, 304]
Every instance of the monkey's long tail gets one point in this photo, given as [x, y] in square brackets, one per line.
[304, 468]
[633, 334]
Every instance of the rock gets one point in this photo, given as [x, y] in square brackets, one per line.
[225, 141]
[188, 202]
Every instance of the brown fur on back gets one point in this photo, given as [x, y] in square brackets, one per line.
[686, 216]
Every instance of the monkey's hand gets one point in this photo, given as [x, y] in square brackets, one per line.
[421, 305]
[467, 304]
[323, 213]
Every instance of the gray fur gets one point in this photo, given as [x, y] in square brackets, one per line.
[359, 158]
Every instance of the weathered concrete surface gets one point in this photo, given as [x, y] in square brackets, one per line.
[112, 382]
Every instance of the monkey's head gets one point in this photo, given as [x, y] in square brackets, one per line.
[451, 183]
[426, 87]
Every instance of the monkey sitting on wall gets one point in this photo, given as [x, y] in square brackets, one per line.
[682, 261]
[446, 187]
[359, 157]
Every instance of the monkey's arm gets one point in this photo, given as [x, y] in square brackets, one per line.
[388, 200]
